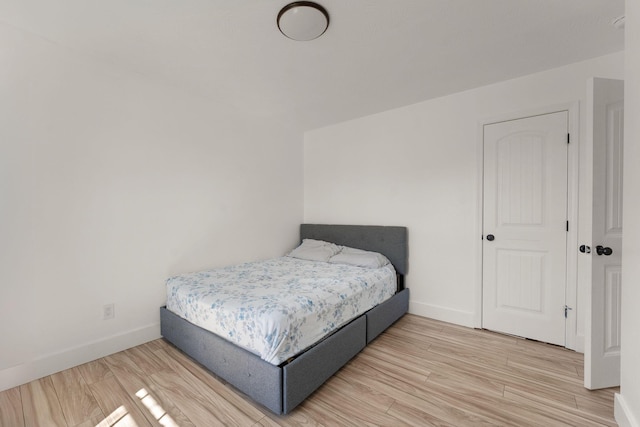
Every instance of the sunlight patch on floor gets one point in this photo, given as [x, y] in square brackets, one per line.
[122, 418]
[158, 412]
[118, 418]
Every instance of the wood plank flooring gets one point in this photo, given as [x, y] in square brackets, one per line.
[419, 372]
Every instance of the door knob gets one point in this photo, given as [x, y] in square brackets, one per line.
[601, 250]
[490, 237]
[585, 249]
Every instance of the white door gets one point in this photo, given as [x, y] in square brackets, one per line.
[602, 333]
[525, 227]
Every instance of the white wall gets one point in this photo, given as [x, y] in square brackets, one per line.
[109, 183]
[418, 166]
[628, 402]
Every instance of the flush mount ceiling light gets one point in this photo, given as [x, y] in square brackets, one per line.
[303, 20]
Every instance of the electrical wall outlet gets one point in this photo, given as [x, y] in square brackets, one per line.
[108, 312]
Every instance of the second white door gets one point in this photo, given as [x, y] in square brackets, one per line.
[525, 227]
[605, 131]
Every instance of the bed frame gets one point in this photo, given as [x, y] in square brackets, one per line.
[281, 388]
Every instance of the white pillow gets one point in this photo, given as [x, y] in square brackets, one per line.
[359, 257]
[315, 250]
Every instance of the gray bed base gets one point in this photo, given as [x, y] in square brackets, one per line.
[282, 388]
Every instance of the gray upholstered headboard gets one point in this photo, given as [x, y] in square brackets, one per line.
[390, 241]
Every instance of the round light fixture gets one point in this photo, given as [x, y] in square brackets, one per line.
[303, 20]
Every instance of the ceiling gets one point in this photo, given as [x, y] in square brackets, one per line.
[376, 54]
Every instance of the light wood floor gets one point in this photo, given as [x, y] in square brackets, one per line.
[419, 372]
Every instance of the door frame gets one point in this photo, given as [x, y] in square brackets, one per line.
[573, 340]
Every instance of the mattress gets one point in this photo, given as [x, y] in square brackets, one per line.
[279, 307]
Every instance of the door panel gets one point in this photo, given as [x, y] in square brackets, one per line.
[525, 210]
[612, 303]
[520, 187]
[519, 280]
[602, 332]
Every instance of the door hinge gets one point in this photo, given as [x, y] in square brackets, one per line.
[566, 311]
[568, 138]
[567, 225]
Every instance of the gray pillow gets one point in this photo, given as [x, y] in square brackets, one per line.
[359, 257]
[315, 250]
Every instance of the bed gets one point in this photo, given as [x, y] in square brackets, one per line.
[278, 380]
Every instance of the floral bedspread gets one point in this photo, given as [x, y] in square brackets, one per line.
[278, 307]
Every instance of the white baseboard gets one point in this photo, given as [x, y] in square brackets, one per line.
[459, 317]
[68, 358]
[623, 415]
